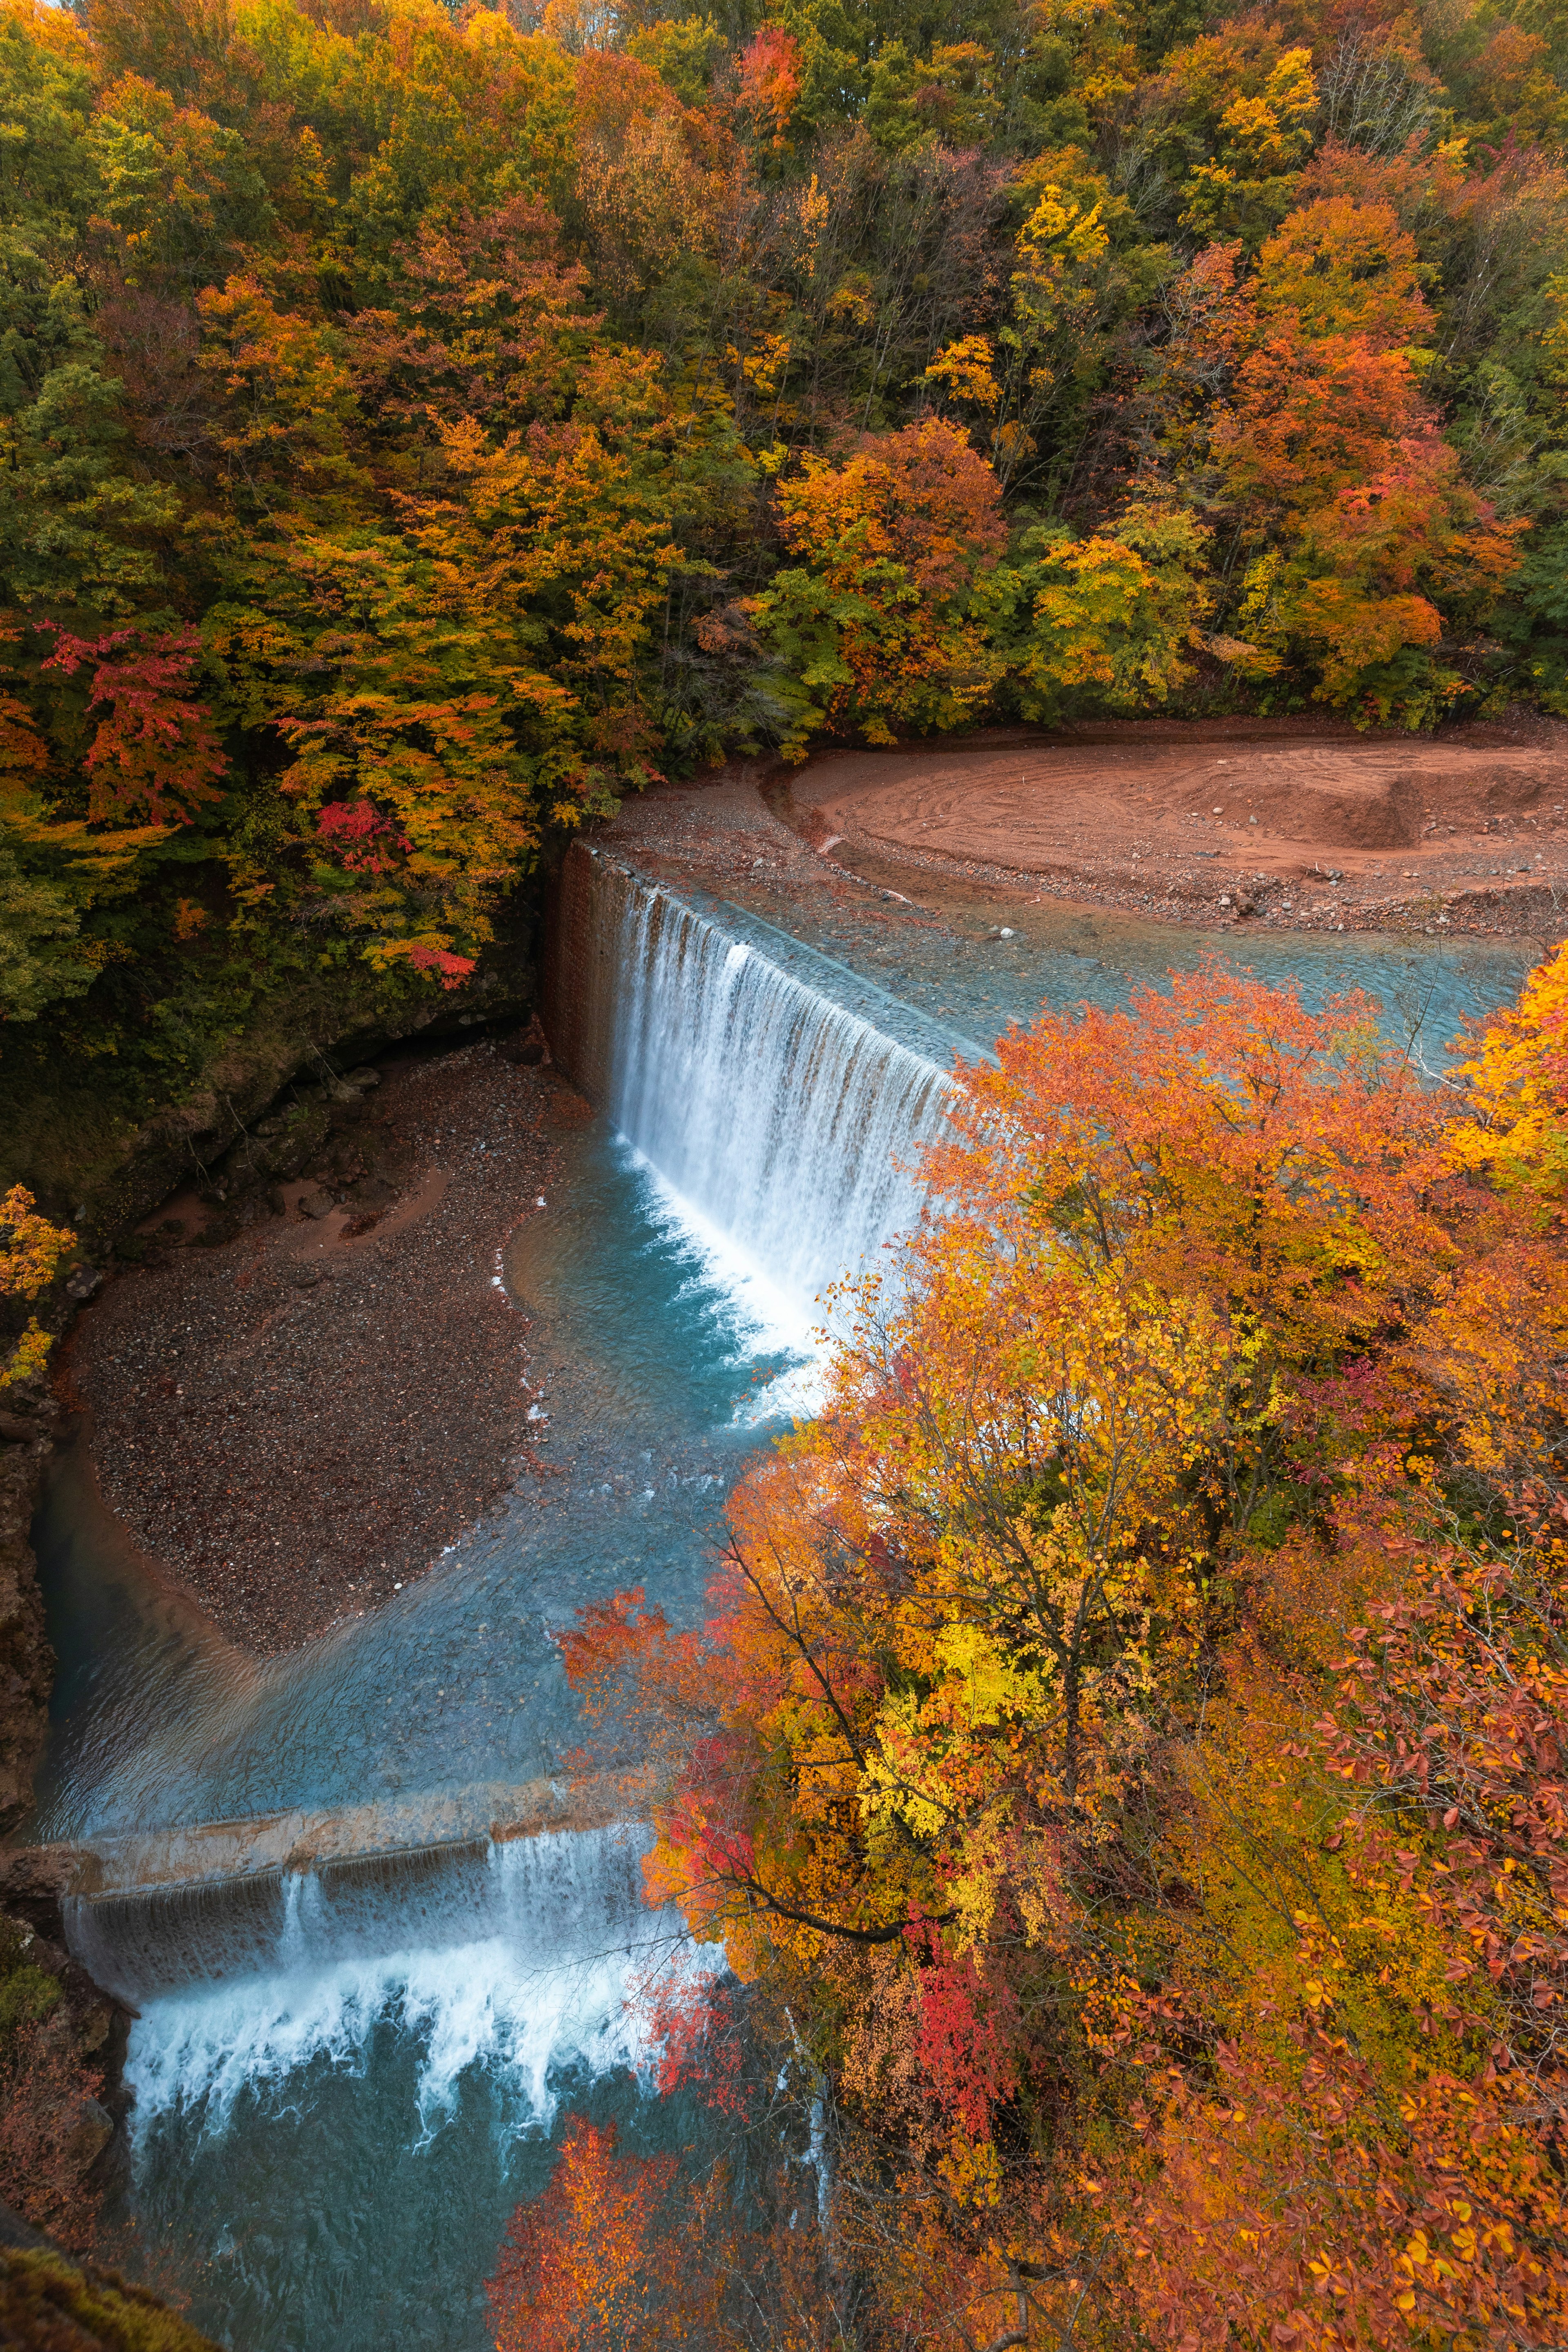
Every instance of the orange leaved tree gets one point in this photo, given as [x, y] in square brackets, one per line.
[602, 2260]
[957, 1610]
[1364, 538]
[1162, 1976]
[874, 626]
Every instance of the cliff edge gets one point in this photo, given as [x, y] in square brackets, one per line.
[26, 1661]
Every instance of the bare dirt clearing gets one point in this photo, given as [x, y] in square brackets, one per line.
[1236, 823]
[1315, 828]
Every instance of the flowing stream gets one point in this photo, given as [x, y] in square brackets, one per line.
[346, 2076]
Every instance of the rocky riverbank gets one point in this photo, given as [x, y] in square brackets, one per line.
[26, 1662]
[86, 1144]
[305, 1391]
[62, 2049]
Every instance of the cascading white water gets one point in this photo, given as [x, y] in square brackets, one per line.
[788, 1123]
[517, 1958]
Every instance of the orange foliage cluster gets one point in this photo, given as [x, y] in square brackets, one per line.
[595, 2259]
[1129, 1741]
[875, 626]
[1332, 461]
[626, 2251]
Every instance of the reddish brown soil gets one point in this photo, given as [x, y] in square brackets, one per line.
[1464, 831]
[301, 1417]
[1315, 828]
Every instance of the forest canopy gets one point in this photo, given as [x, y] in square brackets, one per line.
[423, 427]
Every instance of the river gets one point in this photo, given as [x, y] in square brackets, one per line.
[345, 2076]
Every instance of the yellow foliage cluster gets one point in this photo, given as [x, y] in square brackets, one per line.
[31, 1252]
[1516, 1132]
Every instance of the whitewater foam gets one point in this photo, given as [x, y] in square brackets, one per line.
[524, 1963]
[785, 1126]
[475, 2005]
[761, 1316]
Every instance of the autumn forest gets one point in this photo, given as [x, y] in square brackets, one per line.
[1123, 1757]
[423, 429]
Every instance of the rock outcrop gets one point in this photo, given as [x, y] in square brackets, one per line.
[50, 2304]
[62, 2054]
[26, 1661]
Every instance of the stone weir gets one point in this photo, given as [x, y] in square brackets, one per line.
[213, 1854]
[147, 1912]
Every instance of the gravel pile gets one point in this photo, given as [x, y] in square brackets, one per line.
[302, 1417]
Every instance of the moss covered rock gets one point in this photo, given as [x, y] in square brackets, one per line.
[48, 2304]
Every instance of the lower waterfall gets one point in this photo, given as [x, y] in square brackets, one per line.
[340, 2104]
[516, 1959]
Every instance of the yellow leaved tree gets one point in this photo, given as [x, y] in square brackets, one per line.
[1517, 1076]
[31, 1250]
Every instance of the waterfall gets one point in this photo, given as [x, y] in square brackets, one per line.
[782, 1117]
[556, 1894]
[518, 1959]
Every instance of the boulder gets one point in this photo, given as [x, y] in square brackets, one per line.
[88, 2133]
